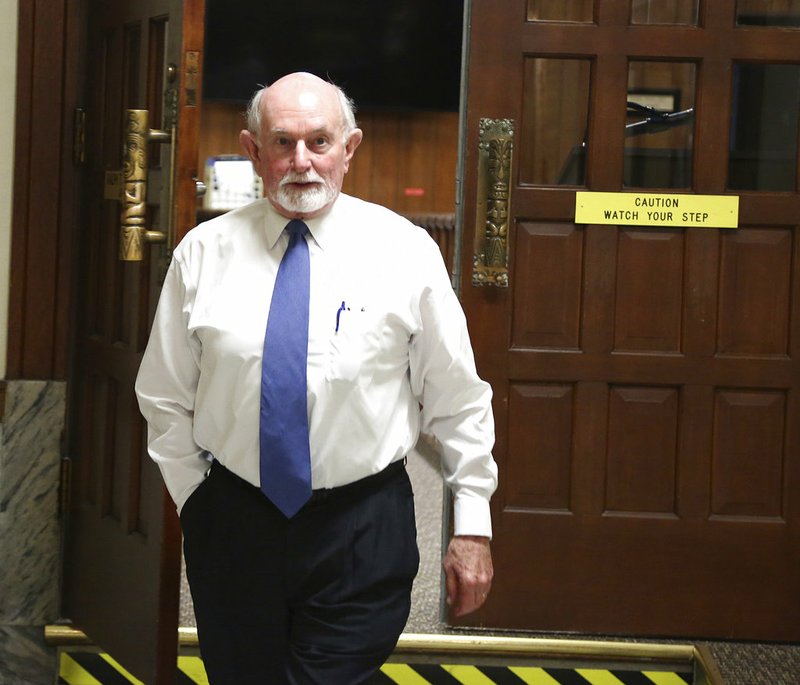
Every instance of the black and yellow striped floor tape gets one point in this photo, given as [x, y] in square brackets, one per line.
[91, 668]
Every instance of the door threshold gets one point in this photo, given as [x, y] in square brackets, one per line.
[529, 656]
[440, 658]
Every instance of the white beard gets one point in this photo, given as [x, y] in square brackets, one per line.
[306, 200]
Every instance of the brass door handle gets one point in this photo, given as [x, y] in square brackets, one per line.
[133, 214]
[495, 152]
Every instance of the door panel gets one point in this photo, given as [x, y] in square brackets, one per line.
[122, 556]
[646, 378]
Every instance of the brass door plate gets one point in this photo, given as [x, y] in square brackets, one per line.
[112, 188]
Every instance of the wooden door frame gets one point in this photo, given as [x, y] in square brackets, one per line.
[48, 208]
[47, 182]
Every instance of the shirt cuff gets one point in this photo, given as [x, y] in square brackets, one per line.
[471, 515]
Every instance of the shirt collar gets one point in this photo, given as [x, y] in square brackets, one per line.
[319, 227]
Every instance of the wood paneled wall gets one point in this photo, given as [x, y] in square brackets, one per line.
[407, 160]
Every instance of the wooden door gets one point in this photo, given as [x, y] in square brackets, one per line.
[123, 547]
[646, 379]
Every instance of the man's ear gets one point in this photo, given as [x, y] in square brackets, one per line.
[353, 141]
[250, 146]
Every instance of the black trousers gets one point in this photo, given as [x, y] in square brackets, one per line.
[319, 599]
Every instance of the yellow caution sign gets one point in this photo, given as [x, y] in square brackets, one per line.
[652, 209]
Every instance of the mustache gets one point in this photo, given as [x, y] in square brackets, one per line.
[307, 177]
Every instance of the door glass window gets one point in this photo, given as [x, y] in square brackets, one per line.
[768, 13]
[659, 130]
[682, 12]
[764, 127]
[554, 118]
[560, 10]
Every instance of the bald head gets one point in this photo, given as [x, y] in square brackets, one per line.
[300, 84]
[301, 137]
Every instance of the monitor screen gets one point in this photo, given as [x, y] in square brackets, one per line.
[385, 54]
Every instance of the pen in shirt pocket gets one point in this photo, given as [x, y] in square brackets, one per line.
[344, 307]
[341, 309]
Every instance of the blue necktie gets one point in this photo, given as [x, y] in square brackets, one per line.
[283, 435]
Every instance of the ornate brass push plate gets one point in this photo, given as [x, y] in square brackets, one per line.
[495, 151]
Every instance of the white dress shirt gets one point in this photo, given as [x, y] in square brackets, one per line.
[388, 354]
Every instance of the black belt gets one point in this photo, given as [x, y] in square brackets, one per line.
[359, 487]
[368, 484]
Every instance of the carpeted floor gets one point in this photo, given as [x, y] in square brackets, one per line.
[757, 664]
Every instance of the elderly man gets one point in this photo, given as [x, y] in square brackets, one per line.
[300, 346]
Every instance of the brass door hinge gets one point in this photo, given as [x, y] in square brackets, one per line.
[112, 185]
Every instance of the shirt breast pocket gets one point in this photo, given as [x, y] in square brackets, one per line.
[354, 346]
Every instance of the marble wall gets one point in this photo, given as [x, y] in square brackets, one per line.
[30, 455]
